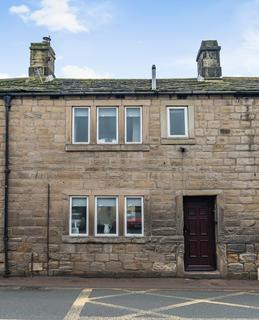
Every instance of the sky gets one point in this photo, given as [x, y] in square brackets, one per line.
[123, 38]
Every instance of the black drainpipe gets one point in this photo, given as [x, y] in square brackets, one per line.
[7, 101]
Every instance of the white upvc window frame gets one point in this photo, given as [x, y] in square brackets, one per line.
[73, 125]
[141, 124]
[117, 217]
[185, 108]
[125, 217]
[70, 217]
[117, 125]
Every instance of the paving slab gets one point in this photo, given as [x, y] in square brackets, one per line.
[136, 283]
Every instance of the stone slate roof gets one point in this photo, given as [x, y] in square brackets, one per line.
[227, 85]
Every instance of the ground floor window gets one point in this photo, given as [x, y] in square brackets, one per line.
[106, 216]
[78, 215]
[134, 222]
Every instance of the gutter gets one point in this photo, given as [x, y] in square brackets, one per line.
[130, 93]
[7, 101]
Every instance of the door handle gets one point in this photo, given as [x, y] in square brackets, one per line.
[185, 229]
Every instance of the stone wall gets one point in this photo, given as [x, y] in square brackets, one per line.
[243, 260]
[221, 159]
[2, 161]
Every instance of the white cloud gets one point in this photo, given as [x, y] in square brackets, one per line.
[4, 76]
[56, 15]
[73, 71]
[22, 11]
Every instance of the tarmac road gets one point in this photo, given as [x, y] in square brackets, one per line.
[74, 303]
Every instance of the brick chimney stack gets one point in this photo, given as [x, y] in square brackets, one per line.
[42, 59]
[208, 60]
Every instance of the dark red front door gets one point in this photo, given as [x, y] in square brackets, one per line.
[199, 234]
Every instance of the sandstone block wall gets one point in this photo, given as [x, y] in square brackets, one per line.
[221, 159]
[2, 161]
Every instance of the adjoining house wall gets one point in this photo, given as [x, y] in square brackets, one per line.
[220, 159]
[2, 163]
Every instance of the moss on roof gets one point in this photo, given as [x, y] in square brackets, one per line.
[81, 86]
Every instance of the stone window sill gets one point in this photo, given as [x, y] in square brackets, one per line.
[122, 239]
[177, 141]
[102, 240]
[107, 147]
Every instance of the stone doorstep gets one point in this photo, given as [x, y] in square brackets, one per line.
[202, 274]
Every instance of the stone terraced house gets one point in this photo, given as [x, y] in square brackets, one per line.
[129, 177]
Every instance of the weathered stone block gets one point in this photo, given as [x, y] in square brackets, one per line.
[114, 266]
[249, 267]
[97, 266]
[232, 258]
[169, 267]
[247, 257]
[236, 247]
[36, 266]
[107, 248]
[114, 257]
[102, 257]
[235, 267]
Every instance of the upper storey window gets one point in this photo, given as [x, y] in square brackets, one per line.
[107, 125]
[81, 125]
[133, 125]
[177, 122]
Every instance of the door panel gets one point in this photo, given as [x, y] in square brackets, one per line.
[199, 233]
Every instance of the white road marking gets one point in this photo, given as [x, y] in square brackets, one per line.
[232, 304]
[112, 296]
[115, 306]
[156, 312]
[77, 306]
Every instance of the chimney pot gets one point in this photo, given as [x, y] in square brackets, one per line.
[208, 60]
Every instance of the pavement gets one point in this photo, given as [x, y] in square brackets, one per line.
[128, 283]
[74, 298]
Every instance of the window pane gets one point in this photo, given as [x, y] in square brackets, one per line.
[106, 216]
[78, 216]
[134, 215]
[107, 125]
[133, 124]
[81, 125]
[177, 122]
